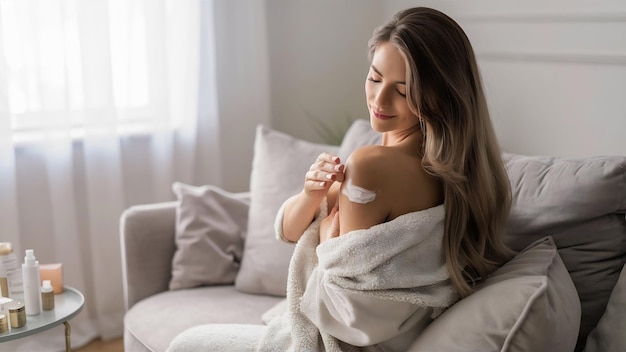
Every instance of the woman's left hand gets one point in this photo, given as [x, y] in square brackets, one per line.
[329, 227]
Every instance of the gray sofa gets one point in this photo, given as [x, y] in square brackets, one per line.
[183, 268]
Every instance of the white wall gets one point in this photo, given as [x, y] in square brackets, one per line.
[554, 72]
[318, 61]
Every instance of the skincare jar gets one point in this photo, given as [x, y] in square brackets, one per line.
[17, 313]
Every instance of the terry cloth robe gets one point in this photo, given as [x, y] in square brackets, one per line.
[367, 290]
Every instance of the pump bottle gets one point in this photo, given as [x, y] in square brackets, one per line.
[31, 281]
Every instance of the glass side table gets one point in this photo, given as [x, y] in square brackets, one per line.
[66, 306]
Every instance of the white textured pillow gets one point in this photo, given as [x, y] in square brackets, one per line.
[210, 231]
[528, 304]
[279, 164]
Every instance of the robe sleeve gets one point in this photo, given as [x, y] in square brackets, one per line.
[278, 224]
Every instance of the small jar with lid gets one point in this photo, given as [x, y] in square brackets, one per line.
[4, 323]
[17, 313]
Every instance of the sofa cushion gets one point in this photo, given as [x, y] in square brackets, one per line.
[609, 334]
[183, 309]
[279, 164]
[528, 304]
[210, 231]
[580, 203]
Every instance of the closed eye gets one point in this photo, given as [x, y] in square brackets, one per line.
[378, 81]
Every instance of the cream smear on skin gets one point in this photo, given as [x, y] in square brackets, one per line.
[357, 194]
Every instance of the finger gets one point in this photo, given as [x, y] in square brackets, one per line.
[327, 158]
[339, 176]
[334, 167]
[312, 185]
[317, 175]
[322, 165]
[326, 168]
[331, 172]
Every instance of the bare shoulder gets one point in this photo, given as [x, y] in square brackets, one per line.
[365, 166]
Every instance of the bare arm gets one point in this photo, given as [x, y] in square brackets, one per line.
[362, 202]
[320, 181]
[363, 173]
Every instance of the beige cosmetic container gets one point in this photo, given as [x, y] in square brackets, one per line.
[4, 323]
[17, 313]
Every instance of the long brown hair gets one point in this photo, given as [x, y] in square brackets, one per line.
[445, 90]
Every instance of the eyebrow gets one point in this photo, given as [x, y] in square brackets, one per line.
[380, 74]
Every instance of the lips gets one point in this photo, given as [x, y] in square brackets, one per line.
[382, 116]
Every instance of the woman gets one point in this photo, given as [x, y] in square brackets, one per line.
[415, 222]
[424, 95]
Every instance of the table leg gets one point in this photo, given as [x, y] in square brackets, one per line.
[67, 336]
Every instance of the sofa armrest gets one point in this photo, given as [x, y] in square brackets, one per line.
[148, 244]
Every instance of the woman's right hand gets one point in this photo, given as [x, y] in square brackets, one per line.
[301, 209]
[326, 170]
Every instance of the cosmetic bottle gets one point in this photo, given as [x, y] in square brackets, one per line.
[11, 270]
[47, 296]
[30, 273]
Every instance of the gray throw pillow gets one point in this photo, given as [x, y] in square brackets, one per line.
[528, 304]
[279, 164]
[610, 334]
[210, 231]
[580, 202]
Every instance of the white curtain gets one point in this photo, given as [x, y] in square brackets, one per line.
[99, 110]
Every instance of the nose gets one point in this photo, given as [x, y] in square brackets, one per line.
[383, 96]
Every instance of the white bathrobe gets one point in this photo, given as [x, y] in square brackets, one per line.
[367, 290]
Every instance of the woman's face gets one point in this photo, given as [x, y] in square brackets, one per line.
[385, 91]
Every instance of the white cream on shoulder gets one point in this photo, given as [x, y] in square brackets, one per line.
[357, 194]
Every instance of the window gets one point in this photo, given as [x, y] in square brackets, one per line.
[72, 67]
